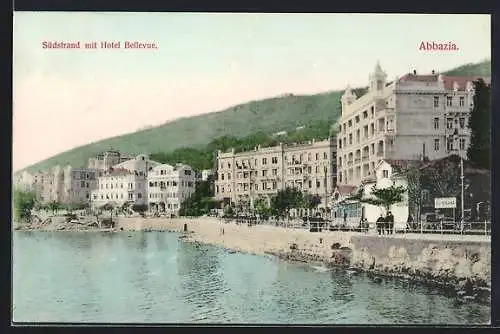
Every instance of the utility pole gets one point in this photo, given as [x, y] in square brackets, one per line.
[462, 193]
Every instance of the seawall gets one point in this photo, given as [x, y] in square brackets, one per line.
[462, 263]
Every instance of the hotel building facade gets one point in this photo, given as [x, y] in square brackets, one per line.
[242, 177]
[411, 117]
[169, 186]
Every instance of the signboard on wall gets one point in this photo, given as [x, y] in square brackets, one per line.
[445, 203]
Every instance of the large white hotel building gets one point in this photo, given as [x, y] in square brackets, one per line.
[411, 117]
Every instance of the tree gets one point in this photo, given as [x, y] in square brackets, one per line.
[110, 206]
[385, 197]
[261, 207]
[140, 208]
[228, 210]
[285, 200]
[23, 203]
[412, 175]
[54, 207]
[479, 150]
[201, 202]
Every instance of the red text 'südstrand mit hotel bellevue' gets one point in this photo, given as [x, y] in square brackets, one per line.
[99, 45]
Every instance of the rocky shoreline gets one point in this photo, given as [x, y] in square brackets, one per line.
[464, 288]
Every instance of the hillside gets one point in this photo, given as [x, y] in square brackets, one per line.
[283, 113]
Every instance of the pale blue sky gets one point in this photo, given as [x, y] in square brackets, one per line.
[206, 62]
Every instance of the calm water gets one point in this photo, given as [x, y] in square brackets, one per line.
[154, 277]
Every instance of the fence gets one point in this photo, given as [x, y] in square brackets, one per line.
[468, 228]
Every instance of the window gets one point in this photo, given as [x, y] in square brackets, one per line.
[275, 185]
[310, 184]
[325, 155]
[462, 101]
[228, 176]
[449, 144]
[318, 184]
[462, 143]
[264, 173]
[275, 172]
[317, 156]
[385, 174]
[264, 161]
[222, 176]
[462, 122]
[274, 160]
[365, 114]
[309, 169]
[350, 122]
[436, 144]
[449, 101]
[340, 144]
[340, 161]
[449, 123]
[357, 136]
[256, 187]
[436, 123]
[187, 172]
[357, 119]
[350, 139]
[436, 101]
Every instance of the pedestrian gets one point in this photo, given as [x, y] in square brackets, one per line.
[409, 222]
[390, 223]
[380, 224]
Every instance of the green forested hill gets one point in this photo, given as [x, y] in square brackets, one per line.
[255, 119]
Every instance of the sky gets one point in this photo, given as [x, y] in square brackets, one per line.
[205, 62]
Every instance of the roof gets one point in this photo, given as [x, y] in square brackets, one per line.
[462, 81]
[117, 172]
[419, 78]
[345, 189]
[448, 80]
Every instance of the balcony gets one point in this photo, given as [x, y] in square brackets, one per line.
[365, 158]
[357, 160]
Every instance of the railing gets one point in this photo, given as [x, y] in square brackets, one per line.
[357, 160]
[365, 158]
[354, 225]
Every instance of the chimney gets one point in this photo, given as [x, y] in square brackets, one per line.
[414, 72]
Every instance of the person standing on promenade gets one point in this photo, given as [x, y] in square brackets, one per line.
[380, 225]
[390, 223]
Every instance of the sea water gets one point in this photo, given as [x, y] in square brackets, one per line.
[155, 277]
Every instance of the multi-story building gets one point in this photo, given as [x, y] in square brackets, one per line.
[105, 160]
[78, 185]
[140, 164]
[123, 182]
[412, 117]
[169, 186]
[118, 186]
[242, 177]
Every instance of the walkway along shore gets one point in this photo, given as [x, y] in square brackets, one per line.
[461, 263]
